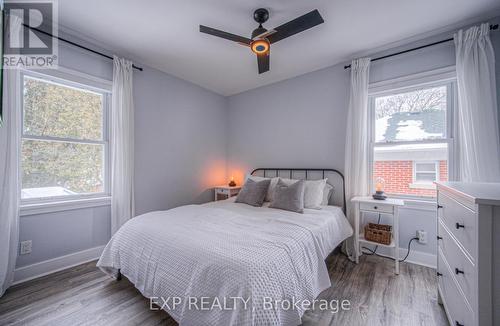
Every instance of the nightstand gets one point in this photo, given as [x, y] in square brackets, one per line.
[225, 192]
[390, 206]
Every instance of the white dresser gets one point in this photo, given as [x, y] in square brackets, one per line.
[469, 252]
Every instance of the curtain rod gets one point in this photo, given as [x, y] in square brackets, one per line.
[492, 27]
[77, 45]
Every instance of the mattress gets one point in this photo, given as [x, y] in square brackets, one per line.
[243, 260]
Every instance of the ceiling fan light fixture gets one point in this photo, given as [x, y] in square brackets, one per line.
[260, 46]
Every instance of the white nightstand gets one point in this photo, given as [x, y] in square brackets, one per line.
[389, 206]
[225, 191]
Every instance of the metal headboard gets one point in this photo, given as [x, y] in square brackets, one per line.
[335, 179]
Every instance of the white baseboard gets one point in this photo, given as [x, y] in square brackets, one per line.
[419, 258]
[415, 257]
[26, 273]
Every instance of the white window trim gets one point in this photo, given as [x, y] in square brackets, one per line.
[399, 84]
[437, 77]
[68, 77]
[63, 205]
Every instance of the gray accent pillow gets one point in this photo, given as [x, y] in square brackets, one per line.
[289, 197]
[253, 192]
[270, 190]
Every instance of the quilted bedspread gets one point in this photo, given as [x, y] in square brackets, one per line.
[225, 263]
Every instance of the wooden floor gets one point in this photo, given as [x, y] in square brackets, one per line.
[83, 295]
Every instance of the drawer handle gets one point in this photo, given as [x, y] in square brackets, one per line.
[375, 207]
[439, 274]
[457, 271]
[458, 324]
[458, 225]
[440, 206]
[439, 238]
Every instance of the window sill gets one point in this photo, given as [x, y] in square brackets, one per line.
[59, 206]
[417, 185]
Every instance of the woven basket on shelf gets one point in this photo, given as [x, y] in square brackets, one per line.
[379, 233]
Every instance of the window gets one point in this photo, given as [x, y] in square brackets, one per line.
[64, 139]
[425, 172]
[411, 137]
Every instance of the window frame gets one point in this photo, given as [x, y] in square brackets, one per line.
[74, 79]
[435, 78]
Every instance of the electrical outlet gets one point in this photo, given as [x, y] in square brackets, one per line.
[422, 236]
[26, 247]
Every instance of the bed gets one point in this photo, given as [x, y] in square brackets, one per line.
[226, 263]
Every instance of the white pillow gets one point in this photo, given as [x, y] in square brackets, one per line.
[327, 194]
[272, 185]
[313, 192]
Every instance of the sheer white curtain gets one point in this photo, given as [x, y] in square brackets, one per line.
[357, 146]
[122, 144]
[477, 121]
[10, 134]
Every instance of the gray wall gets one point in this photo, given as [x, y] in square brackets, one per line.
[180, 152]
[180, 141]
[301, 122]
[61, 233]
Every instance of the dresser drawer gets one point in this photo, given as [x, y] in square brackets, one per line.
[375, 207]
[457, 308]
[460, 264]
[461, 221]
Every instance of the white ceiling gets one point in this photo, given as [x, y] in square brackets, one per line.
[164, 34]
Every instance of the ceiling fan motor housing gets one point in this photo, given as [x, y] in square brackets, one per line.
[261, 15]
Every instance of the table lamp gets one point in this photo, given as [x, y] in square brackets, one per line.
[379, 189]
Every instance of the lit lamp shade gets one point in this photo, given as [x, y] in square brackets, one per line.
[379, 189]
[260, 46]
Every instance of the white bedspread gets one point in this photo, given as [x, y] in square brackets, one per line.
[225, 250]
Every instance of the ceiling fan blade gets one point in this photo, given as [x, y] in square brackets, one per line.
[263, 62]
[295, 26]
[226, 35]
[265, 34]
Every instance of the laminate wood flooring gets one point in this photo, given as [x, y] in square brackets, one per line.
[83, 295]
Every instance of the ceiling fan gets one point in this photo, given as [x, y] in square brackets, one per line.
[261, 40]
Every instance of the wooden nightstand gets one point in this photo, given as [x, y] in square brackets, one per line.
[224, 192]
[389, 206]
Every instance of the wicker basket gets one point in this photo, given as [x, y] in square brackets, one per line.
[379, 233]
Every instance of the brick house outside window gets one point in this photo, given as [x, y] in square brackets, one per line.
[410, 147]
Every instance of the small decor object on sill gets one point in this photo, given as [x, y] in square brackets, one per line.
[379, 189]
[232, 183]
[379, 233]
